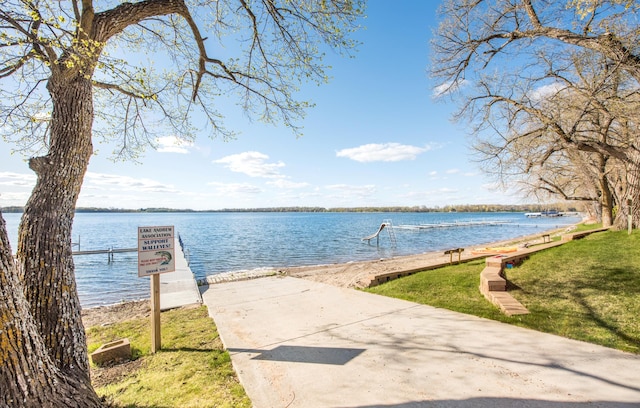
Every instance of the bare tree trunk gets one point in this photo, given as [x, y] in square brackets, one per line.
[631, 192]
[606, 197]
[606, 204]
[29, 377]
[44, 246]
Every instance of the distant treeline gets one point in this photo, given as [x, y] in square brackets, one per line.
[396, 209]
[422, 208]
[16, 209]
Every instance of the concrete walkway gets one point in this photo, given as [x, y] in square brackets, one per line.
[178, 288]
[298, 343]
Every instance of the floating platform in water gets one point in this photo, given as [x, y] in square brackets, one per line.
[550, 213]
[472, 223]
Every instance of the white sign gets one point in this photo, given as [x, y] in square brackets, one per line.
[156, 252]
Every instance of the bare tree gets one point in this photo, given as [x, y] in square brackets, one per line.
[519, 68]
[564, 140]
[65, 65]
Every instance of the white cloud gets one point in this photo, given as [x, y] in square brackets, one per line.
[546, 91]
[42, 116]
[14, 198]
[8, 178]
[436, 196]
[99, 190]
[281, 183]
[386, 152]
[252, 164]
[100, 180]
[453, 171]
[361, 191]
[235, 188]
[431, 195]
[449, 87]
[173, 144]
[493, 186]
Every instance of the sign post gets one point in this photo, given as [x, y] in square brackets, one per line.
[156, 337]
[156, 255]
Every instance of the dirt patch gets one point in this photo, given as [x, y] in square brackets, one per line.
[105, 375]
[105, 315]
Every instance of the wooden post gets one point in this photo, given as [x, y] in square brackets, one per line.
[629, 215]
[155, 313]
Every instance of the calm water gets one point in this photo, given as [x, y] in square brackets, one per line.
[222, 242]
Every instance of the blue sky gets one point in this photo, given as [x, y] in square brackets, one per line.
[376, 137]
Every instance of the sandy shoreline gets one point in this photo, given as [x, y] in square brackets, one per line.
[357, 274]
[348, 275]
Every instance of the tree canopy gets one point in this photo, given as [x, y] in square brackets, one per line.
[155, 63]
[551, 91]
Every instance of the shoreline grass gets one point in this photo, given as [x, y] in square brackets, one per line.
[587, 290]
[191, 370]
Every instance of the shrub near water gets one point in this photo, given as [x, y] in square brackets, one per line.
[191, 370]
[587, 290]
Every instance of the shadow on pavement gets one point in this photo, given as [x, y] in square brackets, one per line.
[305, 354]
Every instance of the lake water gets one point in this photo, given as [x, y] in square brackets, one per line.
[223, 242]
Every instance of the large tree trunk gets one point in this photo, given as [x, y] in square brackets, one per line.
[44, 245]
[29, 377]
[631, 192]
[606, 196]
[606, 203]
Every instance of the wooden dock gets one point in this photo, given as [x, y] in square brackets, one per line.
[105, 251]
[471, 223]
[177, 288]
[109, 252]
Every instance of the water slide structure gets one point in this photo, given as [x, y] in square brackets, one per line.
[385, 224]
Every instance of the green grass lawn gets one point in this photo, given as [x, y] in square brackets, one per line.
[586, 290]
[191, 370]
